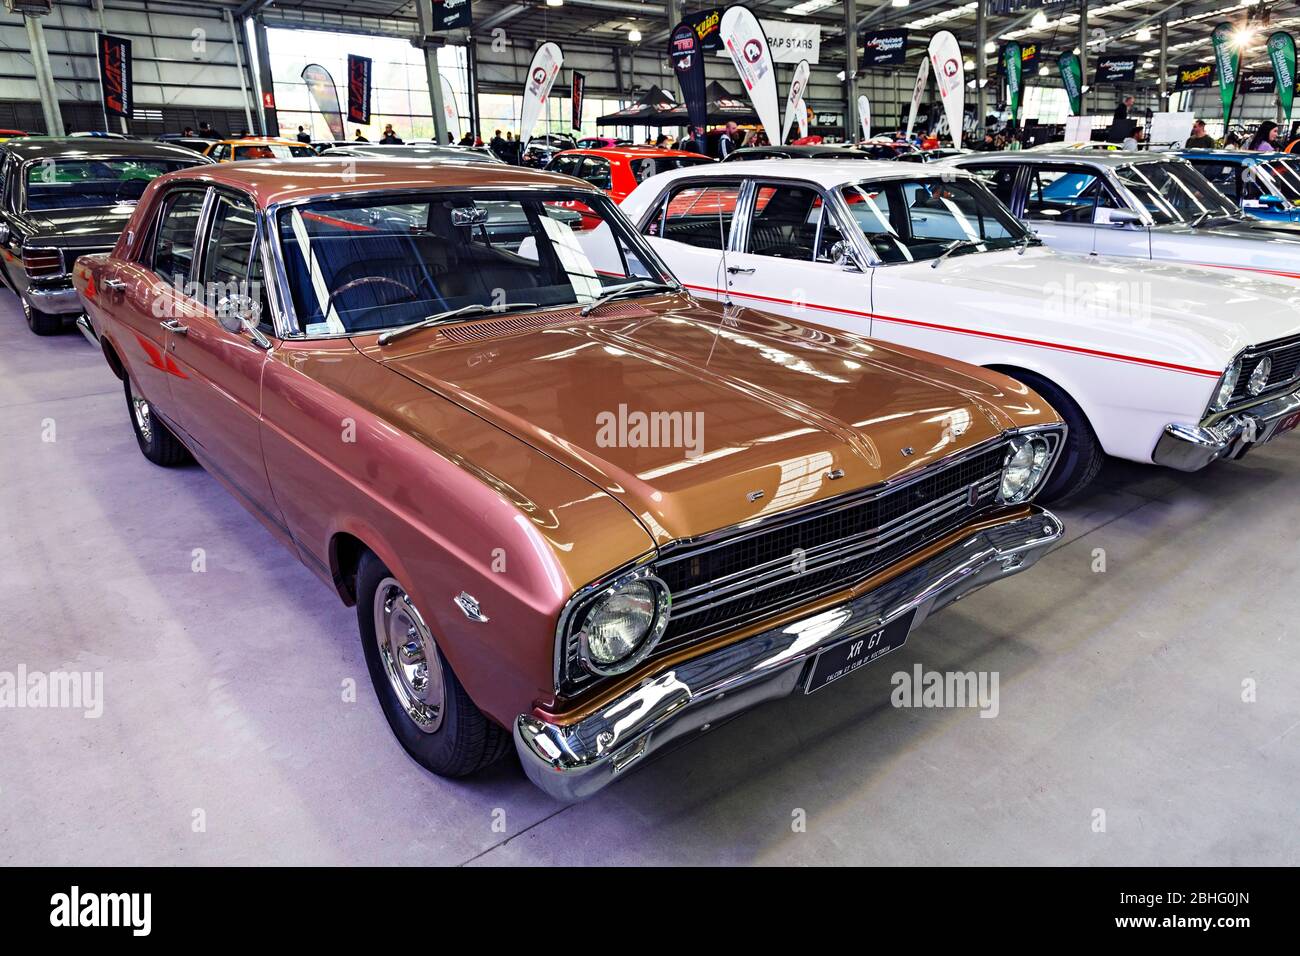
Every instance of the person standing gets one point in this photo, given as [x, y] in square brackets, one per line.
[1265, 139]
[1119, 121]
[727, 141]
[1199, 139]
[360, 138]
[498, 146]
[390, 138]
[303, 135]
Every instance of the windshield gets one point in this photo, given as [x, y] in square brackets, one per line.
[1279, 177]
[1175, 192]
[643, 169]
[77, 183]
[910, 220]
[381, 261]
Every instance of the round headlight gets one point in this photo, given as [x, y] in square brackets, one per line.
[1227, 385]
[623, 625]
[1259, 377]
[1025, 468]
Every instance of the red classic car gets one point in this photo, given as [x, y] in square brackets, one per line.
[574, 505]
[620, 170]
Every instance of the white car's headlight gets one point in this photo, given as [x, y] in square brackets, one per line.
[623, 624]
[1227, 385]
[1025, 468]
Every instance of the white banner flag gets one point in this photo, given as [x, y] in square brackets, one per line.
[918, 91]
[450, 110]
[744, 40]
[864, 116]
[950, 76]
[541, 77]
[794, 105]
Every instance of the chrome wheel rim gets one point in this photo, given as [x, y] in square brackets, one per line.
[143, 417]
[409, 656]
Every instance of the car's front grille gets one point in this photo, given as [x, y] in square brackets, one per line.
[729, 579]
[1285, 355]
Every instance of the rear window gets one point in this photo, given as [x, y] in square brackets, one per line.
[74, 183]
[643, 169]
[273, 151]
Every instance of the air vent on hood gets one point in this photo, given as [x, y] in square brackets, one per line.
[493, 328]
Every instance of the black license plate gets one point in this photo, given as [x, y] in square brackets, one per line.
[848, 655]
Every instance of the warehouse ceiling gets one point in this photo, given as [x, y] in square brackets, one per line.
[1121, 26]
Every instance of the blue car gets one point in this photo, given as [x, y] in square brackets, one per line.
[1264, 185]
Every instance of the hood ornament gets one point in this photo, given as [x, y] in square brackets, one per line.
[754, 495]
[908, 451]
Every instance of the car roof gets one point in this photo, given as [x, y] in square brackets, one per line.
[633, 152]
[261, 141]
[812, 149]
[70, 147]
[271, 181]
[828, 173]
[1240, 155]
[1110, 158]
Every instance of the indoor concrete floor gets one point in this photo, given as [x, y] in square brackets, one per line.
[226, 739]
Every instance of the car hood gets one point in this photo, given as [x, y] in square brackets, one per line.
[90, 225]
[1181, 314]
[695, 423]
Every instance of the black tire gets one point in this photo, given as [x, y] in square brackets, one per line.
[156, 441]
[465, 740]
[1082, 457]
[42, 323]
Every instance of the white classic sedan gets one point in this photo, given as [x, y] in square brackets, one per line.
[1145, 205]
[1145, 361]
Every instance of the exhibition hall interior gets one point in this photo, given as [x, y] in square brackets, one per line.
[603, 432]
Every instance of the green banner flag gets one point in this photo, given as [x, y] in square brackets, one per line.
[1227, 61]
[1072, 79]
[1281, 53]
[1013, 67]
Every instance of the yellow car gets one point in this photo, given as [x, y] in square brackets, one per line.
[257, 147]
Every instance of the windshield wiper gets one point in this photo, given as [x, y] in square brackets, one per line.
[1200, 218]
[953, 247]
[1023, 243]
[627, 288]
[473, 309]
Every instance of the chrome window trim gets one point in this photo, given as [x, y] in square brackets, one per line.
[694, 545]
[146, 256]
[288, 319]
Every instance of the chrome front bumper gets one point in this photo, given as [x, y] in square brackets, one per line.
[53, 301]
[1192, 447]
[572, 761]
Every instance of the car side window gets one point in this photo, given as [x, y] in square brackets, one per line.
[173, 246]
[697, 215]
[231, 263]
[568, 165]
[595, 170]
[1001, 179]
[1066, 194]
[785, 222]
[1223, 175]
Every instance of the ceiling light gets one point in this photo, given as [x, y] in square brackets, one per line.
[1076, 51]
[1039, 21]
[1144, 35]
[990, 47]
[1042, 70]
[969, 65]
[634, 35]
[1148, 65]
[555, 3]
[901, 3]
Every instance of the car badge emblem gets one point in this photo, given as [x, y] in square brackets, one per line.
[834, 474]
[754, 495]
[908, 452]
[973, 495]
[470, 607]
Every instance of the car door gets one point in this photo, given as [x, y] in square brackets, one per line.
[217, 399]
[783, 258]
[1061, 203]
[690, 227]
[148, 296]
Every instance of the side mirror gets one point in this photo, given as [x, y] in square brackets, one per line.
[240, 313]
[845, 256]
[1120, 217]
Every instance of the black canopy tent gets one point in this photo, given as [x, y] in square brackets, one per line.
[650, 110]
[723, 105]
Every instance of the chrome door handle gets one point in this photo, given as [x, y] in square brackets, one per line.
[115, 285]
[174, 325]
[739, 271]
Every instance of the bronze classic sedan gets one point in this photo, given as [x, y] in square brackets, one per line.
[574, 507]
